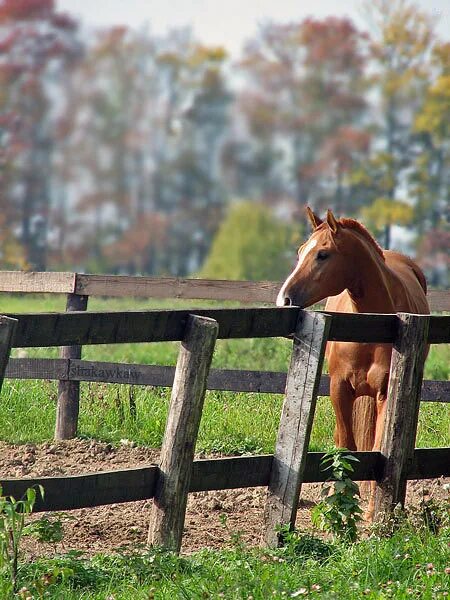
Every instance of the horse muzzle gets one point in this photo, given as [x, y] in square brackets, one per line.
[290, 298]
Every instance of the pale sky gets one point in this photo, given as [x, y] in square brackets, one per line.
[226, 22]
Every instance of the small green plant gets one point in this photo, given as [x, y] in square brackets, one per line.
[236, 540]
[48, 529]
[296, 545]
[339, 511]
[12, 523]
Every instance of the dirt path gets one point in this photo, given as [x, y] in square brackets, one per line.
[106, 528]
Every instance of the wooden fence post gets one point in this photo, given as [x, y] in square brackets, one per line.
[7, 326]
[402, 411]
[68, 405]
[177, 452]
[296, 422]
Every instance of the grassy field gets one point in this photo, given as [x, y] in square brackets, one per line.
[396, 566]
[412, 563]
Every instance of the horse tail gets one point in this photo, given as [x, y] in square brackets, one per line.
[364, 420]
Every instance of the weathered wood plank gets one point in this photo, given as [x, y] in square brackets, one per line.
[356, 327]
[429, 463]
[439, 329]
[63, 329]
[128, 485]
[82, 491]
[183, 421]
[128, 373]
[439, 300]
[37, 368]
[233, 380]
[68, 405]
[171, 287]
[253, 471]
[152, 287]
[203, 289]
[108, 487]
[37, 282]
[7, 327]
[297, 416]
[435, 391]
[230, 473]
[402, 411]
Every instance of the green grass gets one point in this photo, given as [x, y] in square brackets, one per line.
[231, 423]
[410, 564]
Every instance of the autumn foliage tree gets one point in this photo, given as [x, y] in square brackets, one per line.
[36, 43]
[430, 179]
[145, 133]
[400, 44]
[305, 98]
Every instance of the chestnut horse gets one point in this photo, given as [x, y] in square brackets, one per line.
[342, 262]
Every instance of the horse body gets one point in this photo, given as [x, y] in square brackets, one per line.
[358, 370]
[343, 262]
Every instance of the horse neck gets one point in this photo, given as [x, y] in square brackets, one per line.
[371, 286]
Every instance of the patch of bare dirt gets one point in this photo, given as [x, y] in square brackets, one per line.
[212, 518]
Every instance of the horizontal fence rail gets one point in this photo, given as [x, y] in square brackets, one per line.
[37, 282]
[153, 287]
[231, 380]
[65, 329]
[111, 487]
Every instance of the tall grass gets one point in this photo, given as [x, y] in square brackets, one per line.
[410, 564]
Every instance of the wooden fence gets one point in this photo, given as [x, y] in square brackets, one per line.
[167, 287]
[69, 370]
[291, 465]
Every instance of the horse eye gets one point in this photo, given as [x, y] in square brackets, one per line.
[322, 255]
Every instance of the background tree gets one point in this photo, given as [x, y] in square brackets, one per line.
[431, 176]
[188, 176]
[148, 121]
[109, 125]
[401, 41]
[252, 244]
[305, 87]
[37, 43]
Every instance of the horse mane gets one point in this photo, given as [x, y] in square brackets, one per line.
[414, 268]
[359, 228]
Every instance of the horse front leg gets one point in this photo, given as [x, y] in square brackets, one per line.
[342, 397]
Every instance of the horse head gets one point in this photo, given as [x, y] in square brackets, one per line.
[322, 266]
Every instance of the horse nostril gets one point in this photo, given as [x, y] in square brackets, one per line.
[287, 301]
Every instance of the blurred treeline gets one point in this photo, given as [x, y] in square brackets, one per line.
[122, 151]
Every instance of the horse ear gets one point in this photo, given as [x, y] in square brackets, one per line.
[315, 220]
[332, 223]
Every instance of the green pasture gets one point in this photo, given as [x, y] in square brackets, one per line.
[413, 563]
[231, 423]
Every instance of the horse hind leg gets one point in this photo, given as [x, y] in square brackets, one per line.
[364, 420]
[381, 404]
